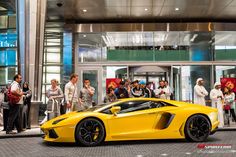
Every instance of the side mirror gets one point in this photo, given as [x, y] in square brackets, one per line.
[115, 109]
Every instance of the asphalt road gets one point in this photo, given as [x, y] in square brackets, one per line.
[221, 144]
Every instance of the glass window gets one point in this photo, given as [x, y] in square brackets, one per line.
[12, 22]
[8, 57]
[3, 22]
[7, 74]
[8, 39]
[53, 42]
[225, 72]
[49, 77]
[3, 75]
[90, 47]
[53, 57]
[53, 49]
[53, 69]
[189, 75]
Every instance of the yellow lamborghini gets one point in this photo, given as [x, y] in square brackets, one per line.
[133, 119]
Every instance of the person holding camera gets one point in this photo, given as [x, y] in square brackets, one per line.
[110, 97]
[161, 92]
[86, 95]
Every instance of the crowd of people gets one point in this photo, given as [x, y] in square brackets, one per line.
[222, 99]
[128, 89]
[16, 106]
[17, 100]
[71, 100]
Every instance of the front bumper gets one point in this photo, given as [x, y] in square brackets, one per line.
[214, 131]
[59, 134]
[214, 127]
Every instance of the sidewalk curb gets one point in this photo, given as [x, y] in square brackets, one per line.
[227, 129]
[41, 134]
[21, 136]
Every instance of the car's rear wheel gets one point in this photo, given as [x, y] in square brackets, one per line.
[197, 128]
[90, 132]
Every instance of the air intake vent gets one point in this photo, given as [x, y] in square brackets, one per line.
[164, 121]
[52, 134]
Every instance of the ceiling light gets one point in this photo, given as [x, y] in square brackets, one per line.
[176, 9]
[84, 10]
[84, 36]
[146, 9]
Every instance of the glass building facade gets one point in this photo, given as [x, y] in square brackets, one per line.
[8, 45]
[177, 55]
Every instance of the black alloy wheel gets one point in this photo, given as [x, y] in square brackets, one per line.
[197, 128]
[90, 132]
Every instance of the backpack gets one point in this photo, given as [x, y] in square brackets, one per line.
[13, 99]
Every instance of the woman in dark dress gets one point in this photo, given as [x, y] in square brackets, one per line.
[27, 104]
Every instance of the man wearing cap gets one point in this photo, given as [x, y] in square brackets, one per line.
[200, 92]
[147, 92]
[217, 96]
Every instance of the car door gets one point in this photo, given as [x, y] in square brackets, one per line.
[134, 121]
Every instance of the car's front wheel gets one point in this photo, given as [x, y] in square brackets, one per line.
[90, 132]
[197, 128]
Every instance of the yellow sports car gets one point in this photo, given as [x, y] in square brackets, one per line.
[133, 119]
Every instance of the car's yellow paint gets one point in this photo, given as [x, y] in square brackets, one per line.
[138, 125]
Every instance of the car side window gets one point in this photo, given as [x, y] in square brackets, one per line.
[134, 106]
[157, 104]
[130, 106]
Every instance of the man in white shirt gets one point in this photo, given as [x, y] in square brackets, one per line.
[217, 97]
[168, 90]
[200, 92]
[71, 94]
[15, 108]
[161, 91]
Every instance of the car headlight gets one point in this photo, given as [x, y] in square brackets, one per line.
[57, 121]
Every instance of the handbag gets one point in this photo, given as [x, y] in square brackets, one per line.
[227, 107]
[13, 99]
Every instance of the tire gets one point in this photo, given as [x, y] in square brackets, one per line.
[197, 128]
[90, 132]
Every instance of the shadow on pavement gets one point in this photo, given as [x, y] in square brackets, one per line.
[136, 142]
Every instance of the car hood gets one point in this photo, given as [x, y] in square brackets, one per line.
[67, 116]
